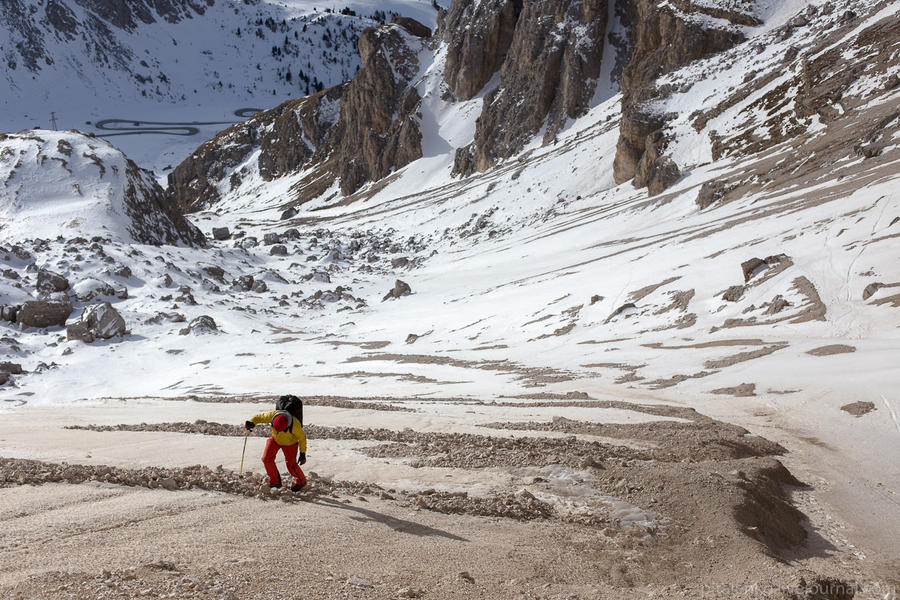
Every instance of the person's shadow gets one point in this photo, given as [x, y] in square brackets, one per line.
[394, 523]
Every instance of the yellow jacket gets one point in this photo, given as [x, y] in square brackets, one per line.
[290, 436]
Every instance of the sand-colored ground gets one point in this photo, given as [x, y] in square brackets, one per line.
[644, 501]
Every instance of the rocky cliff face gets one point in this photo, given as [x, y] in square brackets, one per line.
[545, 59]
[356, 132]
[286, 137]
[663, 38]
[378, 130]
[478, 36]
[549, 75]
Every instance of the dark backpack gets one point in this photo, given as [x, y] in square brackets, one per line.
[293, 405]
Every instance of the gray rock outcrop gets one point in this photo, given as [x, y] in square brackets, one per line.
[203, 324]
[41, 313]
[100, 321]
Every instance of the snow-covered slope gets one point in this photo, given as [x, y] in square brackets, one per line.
[760, 287]
[67, 184]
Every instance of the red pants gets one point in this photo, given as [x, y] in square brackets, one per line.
[290, 458]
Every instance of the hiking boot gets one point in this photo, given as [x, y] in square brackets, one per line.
[297, 487]
[274, 485]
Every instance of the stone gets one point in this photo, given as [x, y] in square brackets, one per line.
[289, 214]
[710, 193]
[661, 40]
[49, 282]
[40, 313]
[753, 267]
[397, 263]
[221, 233]
[733, 294]
[100, 321]
[260, 286]
[214, 271]
[203, 324]
[11, 367]
[8, 313]
[401, 288]
[249, 242]
[4, 377]
[271, 238]
[278, 250]
[290, 234]
[244, 283]
[871, 289]
[80, 332]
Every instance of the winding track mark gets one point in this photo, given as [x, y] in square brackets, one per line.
[186, 129]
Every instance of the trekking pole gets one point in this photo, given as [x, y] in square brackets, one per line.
[246, 435]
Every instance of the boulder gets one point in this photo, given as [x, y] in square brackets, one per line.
[278, 250]
[201, 325]
[401, 288]
[8, 312]
[41, 313]
[289, 214]
[397, 263]
[214, 271]
[90, 289]
[100, 321]
[733, 294]
[271, 238]
[49, 282]
[221, 233]
[710, 193]
[11, 368]
[753, 267]
[244, 283]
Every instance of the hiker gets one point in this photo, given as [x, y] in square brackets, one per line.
[287, 436]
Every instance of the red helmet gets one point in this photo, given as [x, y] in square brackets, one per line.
[281, 420]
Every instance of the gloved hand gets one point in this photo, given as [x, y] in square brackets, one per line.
[302, 458]
[248, 425]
